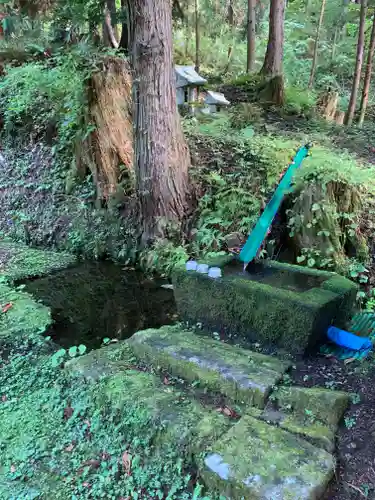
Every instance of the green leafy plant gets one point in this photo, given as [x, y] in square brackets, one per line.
[61, 355]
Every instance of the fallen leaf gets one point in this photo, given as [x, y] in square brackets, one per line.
[93, 463]
[229, 412]
[166, 381]
[68, 412]
[7, 307]
[126, 462]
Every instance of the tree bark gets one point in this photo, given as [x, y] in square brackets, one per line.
[197, 37]
[250, 35]
[358, 66]
[334, 43]
[315, 56]
[111, 6]
[366, 84]
[161, 155]
[231, 14]
[273, 61]
[125, 40]
[108, 31]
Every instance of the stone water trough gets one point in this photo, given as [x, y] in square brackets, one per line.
[272, 303]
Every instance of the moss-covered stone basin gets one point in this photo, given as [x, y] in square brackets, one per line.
[272, 303]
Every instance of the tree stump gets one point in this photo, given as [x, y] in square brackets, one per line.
[327, 104]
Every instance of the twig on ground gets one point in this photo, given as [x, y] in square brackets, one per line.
[356, 489]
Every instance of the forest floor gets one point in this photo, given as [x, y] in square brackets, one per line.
[355, 473]
[359, 141]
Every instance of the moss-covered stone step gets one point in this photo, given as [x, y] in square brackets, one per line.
[178, 420]
[242, 375]
[306, 426]
[312, 413]
[100, 363]
[323, 404]
[257, 461]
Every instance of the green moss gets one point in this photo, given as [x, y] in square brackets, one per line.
[240, 374]
[287, 315]
[306, 426]
[24, 319]
[323, 404]
[319, 434]
[178, 421]
[102, 362]
[256, 460]
[23, 262]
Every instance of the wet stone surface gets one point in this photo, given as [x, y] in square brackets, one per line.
[242, 375]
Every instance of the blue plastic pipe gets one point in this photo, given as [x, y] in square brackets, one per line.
[347, 339]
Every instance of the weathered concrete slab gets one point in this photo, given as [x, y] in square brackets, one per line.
[238, 373]
[259, 461]
[308, 427]
[178, 421]
[322, 404]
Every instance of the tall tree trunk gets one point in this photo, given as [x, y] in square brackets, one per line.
[187, 31]
[108, 32]
[250, 35]
[358, 65]
[273, 61]
[315, 56]
[231, 14]
[161, 155]
[334, 43]
[197, 37]
[125, 40]
[366, 84]
[111, 6]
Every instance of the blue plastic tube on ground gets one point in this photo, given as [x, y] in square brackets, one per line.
[349, 340]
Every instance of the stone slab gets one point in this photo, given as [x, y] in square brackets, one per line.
[240, 374]
[323, 404]
[255, 460]
[316, 432]
[102, 362]
[179, 422]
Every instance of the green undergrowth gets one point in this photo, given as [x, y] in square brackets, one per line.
[235, 173]
[21, 262]
[59, 440]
